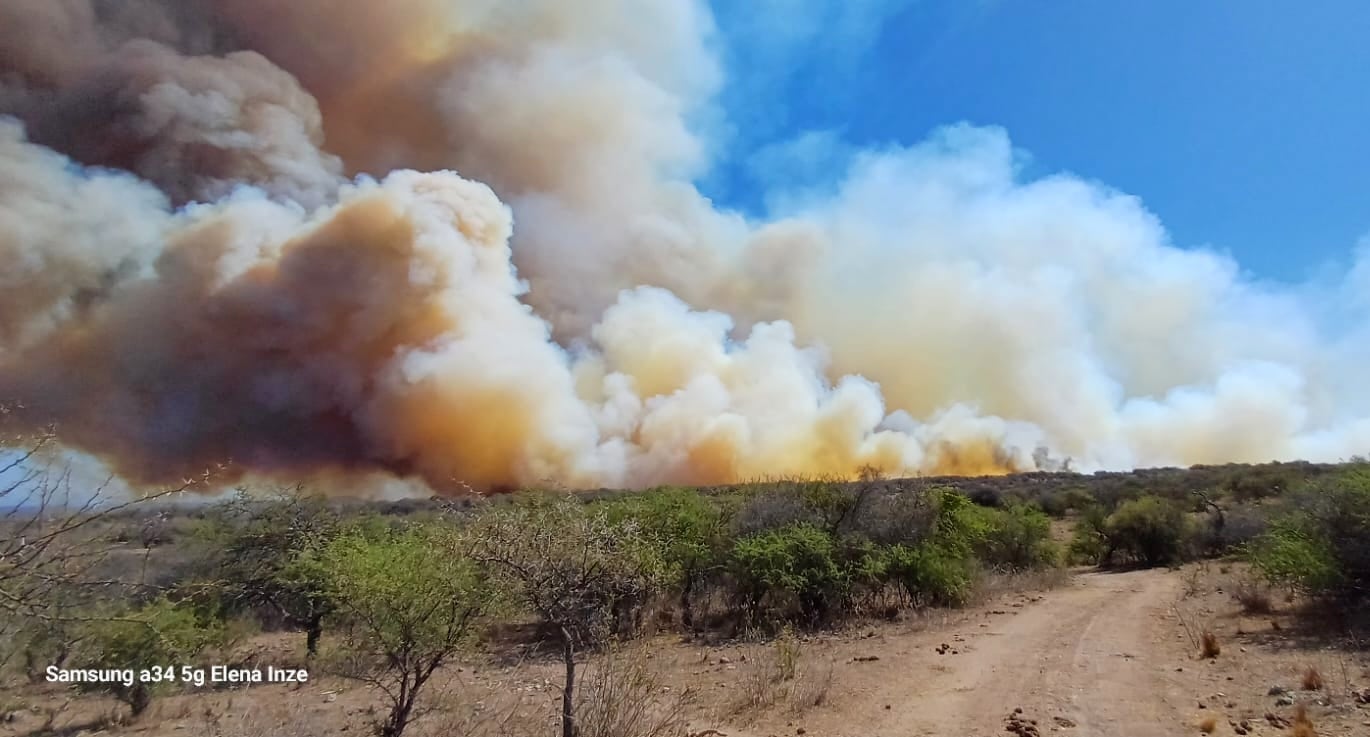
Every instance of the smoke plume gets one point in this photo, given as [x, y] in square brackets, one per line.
[458, 241]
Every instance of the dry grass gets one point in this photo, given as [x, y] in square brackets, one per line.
[468, 712]
[1312, 679]
[1303, 726]
[1193, 581]
[621, 696]
[1252, 595]
[1200, 633]
[784, 675]
[993, 585]
[812, 688]
[278, 722]
[1208, 725]
[453, 709]
[1208, 645]
[788, 652]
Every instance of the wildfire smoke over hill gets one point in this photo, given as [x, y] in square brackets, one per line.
[458, 240]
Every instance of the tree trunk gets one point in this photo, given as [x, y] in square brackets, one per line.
[687, 614]
[399, 715]
[399, 719]
[138, 699]
[312, 634]
[568, 704]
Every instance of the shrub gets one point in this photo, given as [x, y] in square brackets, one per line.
[1061, 502]
[1076, 499]
[798, 561]
[622, 697]
[1252, 595]
[1292, 554]
[1229, 530]
[1208, 645]
[864, 567]
[835, 505]
[1302, 726]
[1017, 537]
[1149, 530]
[960, 527]
[985, 496]
[902, 518]
[44, 642]
[771, 509]
[1089, 542]
[1259, 482]
[931, 575]
[150, 638]
[406, 601]
[688, 531]
[941, 570]
[1321, 545]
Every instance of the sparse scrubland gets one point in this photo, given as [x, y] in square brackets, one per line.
[400, 599]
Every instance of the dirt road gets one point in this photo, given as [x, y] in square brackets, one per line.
[1095, 659]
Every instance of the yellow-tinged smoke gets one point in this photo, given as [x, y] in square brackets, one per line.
[456, 240]
[386, 332]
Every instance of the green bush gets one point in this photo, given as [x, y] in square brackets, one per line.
[688, 531]
[798, 561]
[1017, 537]
[1149, 530]
[1060, 502]
[1321, 544]
[863, 563]
[1259, 482]
[930, 575]
[821, 550]
[961, 527]
[149, 638]
[1089, 542]
[1293, 554]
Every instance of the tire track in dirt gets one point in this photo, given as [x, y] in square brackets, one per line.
[1098, 654]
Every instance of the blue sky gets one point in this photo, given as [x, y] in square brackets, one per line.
[1245, 126]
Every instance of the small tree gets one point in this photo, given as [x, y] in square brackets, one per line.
[150, 638]
[689, 532]
[569, 566]
[249, 549]
[407, 602]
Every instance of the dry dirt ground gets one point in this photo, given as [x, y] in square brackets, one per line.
[1104, 655]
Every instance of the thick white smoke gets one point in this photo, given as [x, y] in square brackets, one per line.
[588, 318]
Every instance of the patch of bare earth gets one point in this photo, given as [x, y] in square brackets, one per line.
[1278, 659]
